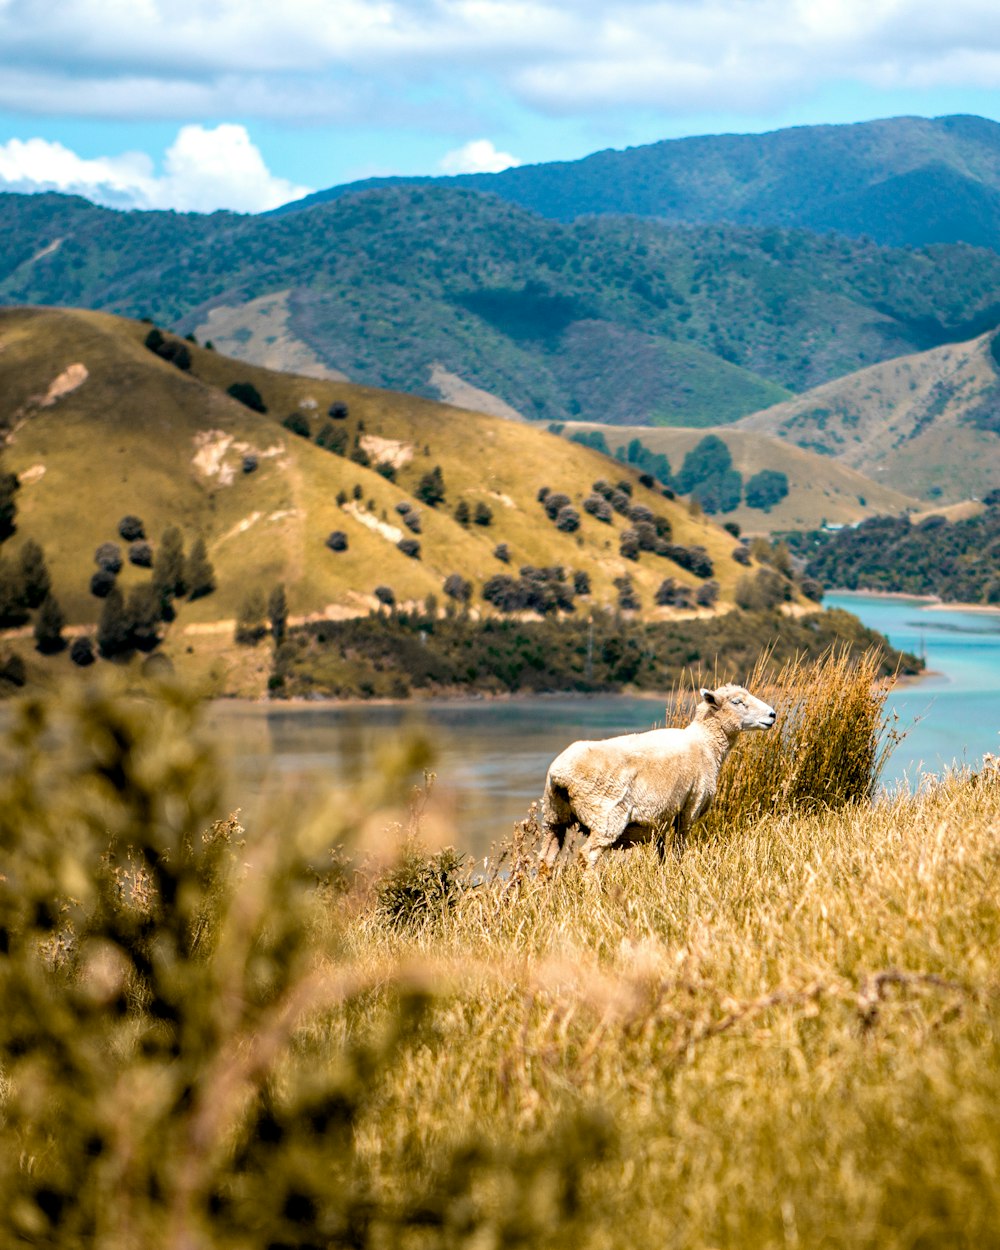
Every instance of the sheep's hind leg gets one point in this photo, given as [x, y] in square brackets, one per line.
[557, 816]
[605, 834]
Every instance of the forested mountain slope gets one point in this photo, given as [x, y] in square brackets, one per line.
[902, 181]
[611, 319]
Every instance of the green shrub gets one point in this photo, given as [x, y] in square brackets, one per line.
[247, 394]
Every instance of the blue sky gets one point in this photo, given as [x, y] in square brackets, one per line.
[196, 105]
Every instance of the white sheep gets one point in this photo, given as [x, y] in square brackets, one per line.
[631, 789]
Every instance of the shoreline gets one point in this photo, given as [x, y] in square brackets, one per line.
[928, 603]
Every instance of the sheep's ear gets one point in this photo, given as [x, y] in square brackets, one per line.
[709, 696]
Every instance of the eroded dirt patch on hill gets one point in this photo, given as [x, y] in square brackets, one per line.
[455, 390]
[212, 455]
[71, 377]
[387, 450]
[387, 531]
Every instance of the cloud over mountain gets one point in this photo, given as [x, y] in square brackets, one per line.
[204, 169]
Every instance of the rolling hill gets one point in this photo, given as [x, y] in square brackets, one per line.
[904, 181]
[438, 290]
[927, 424]
[99, 427]
[820, 489]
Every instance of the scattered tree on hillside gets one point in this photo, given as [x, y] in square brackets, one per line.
[102, 583]
[337, 410]
[412, 521]
[707, 595]
[250, 463]
[385, 595]
[483, 514]
[502, 553]
[168, 566]
[628, 544]
[277, 614]
[298, 423]
[458, 588]
[760, 591]
[247, 394]
[766, 488]
[708, 475]
[49, 626]
[199, 575]
[109, 556]
[34, 573]
[333, 438]
[131, 528]
[143, 615]
[409, 547]
[141, 555]
[430, 489]
[81, 651]
[628, 600]
[13, 605]
[337, 541]
[9, 486]
[113, 626]
[462, 514]
[581, 582]
[250, 627]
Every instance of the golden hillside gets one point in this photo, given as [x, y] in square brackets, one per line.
[819, 487]
[100, 427]
[923, 424]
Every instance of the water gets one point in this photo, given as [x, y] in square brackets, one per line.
[491, 755]
[952, 716]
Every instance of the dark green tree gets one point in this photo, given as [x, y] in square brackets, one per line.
[247, 394]
[13, 605]
[462, 514]
[483, 514]
[113, 633]
[277, 614]
[199, 574]
[34, 573]
[250, 627]
[430, 488]
[168, 566]
[766, 488]
[9, 486]
[49, 626]
[143, 615]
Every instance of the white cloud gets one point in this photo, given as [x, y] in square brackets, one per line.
[203, 169]
[477, 157]
[359, 59]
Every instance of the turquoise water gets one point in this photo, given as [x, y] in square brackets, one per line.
[951, 716]
[492, 755]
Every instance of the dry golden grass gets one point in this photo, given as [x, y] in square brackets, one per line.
[789, 1037]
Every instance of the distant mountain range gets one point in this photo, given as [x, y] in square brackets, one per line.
[437, 290]
[904, 181]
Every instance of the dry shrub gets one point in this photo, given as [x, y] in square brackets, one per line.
[828, 747]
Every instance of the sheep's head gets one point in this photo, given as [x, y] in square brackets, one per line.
[738, 708]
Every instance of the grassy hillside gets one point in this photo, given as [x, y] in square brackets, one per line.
[99, 427]
[926, 425]
[609, 319]
[902, 181]
[819, 489]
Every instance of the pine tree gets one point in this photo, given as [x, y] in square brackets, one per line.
[277, 611]
[143, 615]
[49, 626]
[168, 566]
[13, 607]
[250, 621]
[34, 574]
[430, 488]
[9, 486]
[113, 627]
[198, 572]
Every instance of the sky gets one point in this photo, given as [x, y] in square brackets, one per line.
[197, 105]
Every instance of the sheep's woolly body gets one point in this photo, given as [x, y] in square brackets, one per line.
[633, 788]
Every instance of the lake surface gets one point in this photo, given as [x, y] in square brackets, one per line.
[491, 755]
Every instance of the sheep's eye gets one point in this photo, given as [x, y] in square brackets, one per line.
[738, 702]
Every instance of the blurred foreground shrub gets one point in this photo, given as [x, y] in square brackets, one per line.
[160, 975]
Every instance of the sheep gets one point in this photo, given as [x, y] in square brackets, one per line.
[630, 789]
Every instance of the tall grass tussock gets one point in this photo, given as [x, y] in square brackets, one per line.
[214, 1036]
